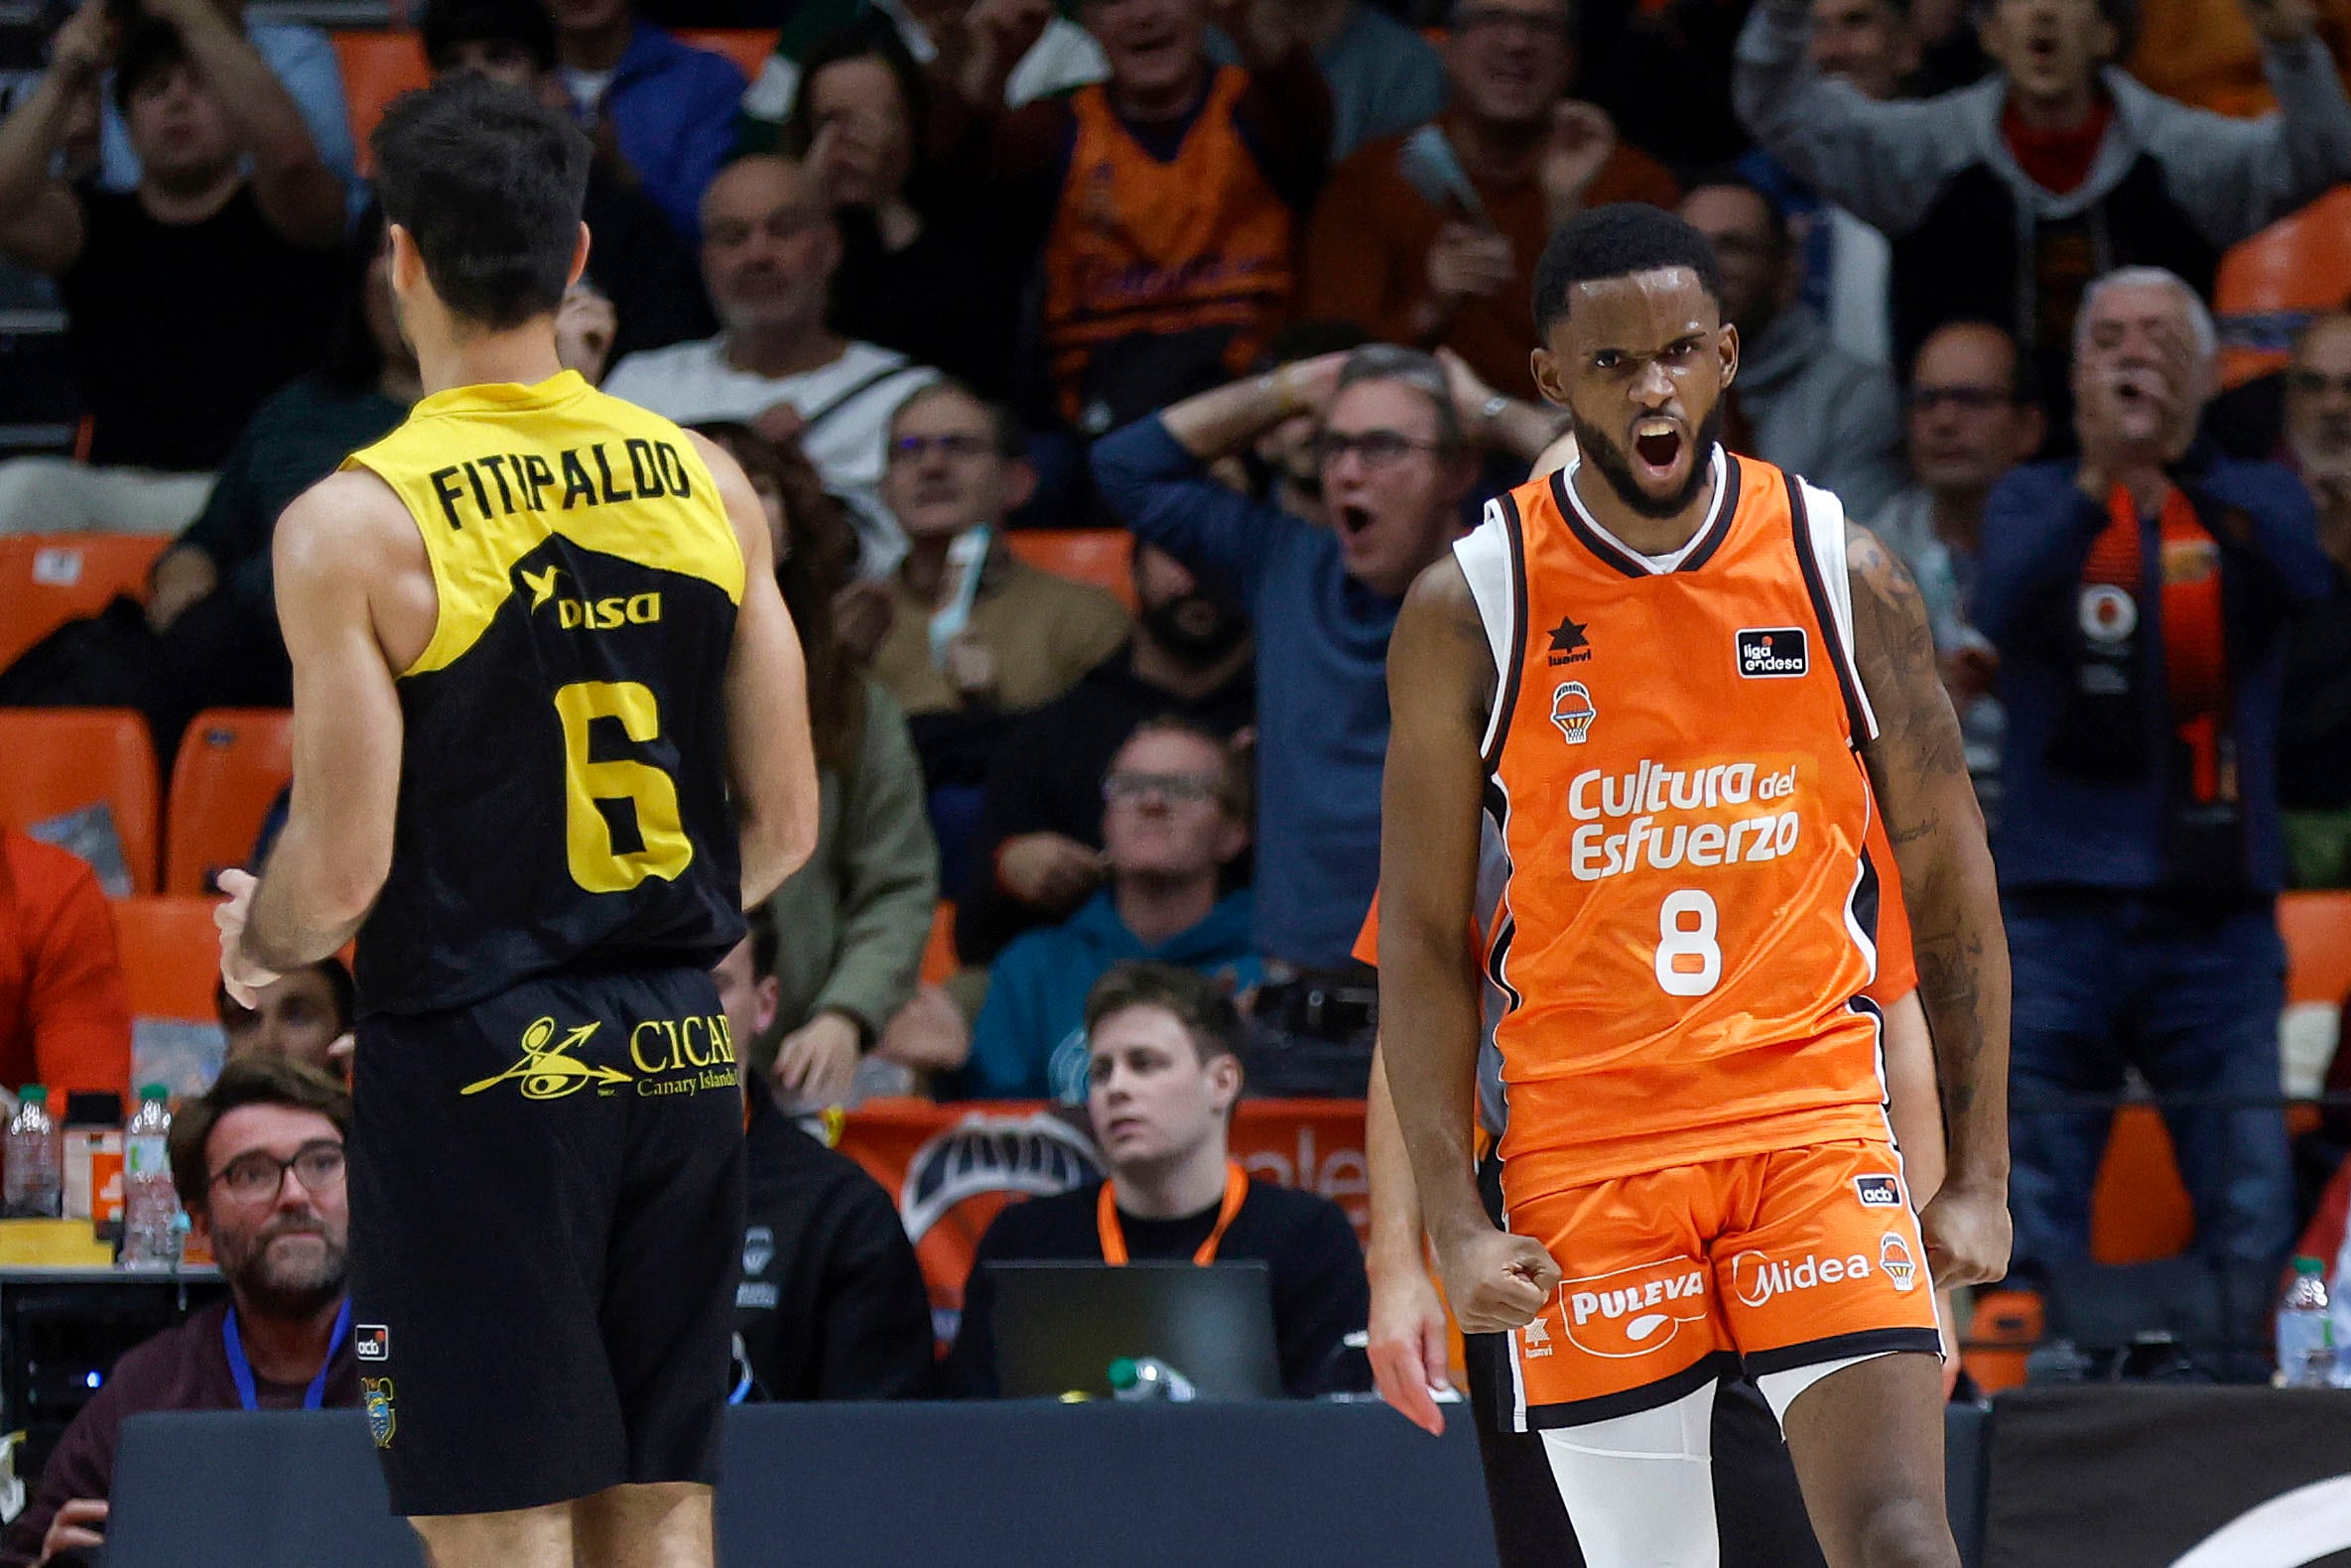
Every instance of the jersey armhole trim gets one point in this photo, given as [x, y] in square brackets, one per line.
[1820, 555]
[358, 462]
[1493, 559]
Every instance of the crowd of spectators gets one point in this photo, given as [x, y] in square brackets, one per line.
[1247, 279]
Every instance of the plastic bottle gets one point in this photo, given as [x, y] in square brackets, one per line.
[35, 1175]
[2305, 1333]
[2338, 1292]
[1136, 1380]
[150, 1206]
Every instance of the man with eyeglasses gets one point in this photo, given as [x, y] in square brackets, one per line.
[1398, 451]
[768, 253]
[2314, 734]
[975, 636]
[258, 1160]
[1974, 414]
[1175, 814]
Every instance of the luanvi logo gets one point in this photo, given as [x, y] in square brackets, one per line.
[1767, 651]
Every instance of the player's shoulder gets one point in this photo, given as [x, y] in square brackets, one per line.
[352, 517]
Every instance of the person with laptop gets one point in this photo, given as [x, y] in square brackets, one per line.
[1164, 1070]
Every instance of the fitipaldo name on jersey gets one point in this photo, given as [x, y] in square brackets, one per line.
[501, 484]
[1640, 798]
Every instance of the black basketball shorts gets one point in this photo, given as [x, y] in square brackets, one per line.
[547, 1219]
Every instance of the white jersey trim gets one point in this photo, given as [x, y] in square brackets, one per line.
[1485, 556]
[1826, 514]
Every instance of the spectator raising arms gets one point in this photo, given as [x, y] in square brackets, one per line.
[188, 300]
[1430, 238]
[845, 932]
[922, 266]
[1174, 814]
[2004, 199]
[666, 108]
[68, 1016]
[1166, 201]
[2139, 846]
[768, 254]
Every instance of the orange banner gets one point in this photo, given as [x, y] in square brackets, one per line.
[952, 1168]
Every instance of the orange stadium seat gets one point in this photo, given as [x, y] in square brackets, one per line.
[747, 47]
[939, 960]
[47, 580]
[170, 956]
[376, 69]
[2270, 284]
[1103, 557]
[2317, 932]
[230, 769]
[53, 760]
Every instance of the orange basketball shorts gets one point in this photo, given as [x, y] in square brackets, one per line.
[1669, 1279]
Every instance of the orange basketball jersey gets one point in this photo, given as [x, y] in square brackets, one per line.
[1690, 915]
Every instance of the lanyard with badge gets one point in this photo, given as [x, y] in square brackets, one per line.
[242, 1369]
[1113, 1234]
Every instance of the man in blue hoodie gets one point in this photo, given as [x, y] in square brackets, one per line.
[1175, 813]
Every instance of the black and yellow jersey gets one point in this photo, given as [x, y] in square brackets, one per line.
[562, 787]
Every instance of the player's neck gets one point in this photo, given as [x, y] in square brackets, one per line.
[1637, 531]
[1184, 1183]
[522, 356]
[286, 1348]
[1494, 152]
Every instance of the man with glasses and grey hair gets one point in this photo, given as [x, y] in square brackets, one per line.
[1398, 442]
[258, 1160]
[2138, 598]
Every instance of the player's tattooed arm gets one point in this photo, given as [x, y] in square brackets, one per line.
[1918, 768]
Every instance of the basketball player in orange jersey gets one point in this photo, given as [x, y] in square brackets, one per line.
[1678, 681]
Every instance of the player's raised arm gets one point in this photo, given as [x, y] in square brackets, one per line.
[1441, 689]
[1918, 768]
[771, 763]
[342, 536]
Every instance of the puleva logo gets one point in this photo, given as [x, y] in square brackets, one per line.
[1572, 710]
[1634, 1311]
[548, 1070]
[382, 1421]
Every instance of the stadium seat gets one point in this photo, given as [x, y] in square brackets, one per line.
[376, 69]
[2269, 285]
[939, 960]
[2139, 1209]
[747, 47]
[2317, 932]
[230, 769]
[47, 580]
[55, 760]
[1104, 557]
[170, 956]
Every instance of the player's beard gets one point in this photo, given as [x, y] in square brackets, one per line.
[1603, 452]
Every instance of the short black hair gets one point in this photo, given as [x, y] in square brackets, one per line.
[1202, 1006]
[488, 182]
[149, 48]
[872, 36]
[1617, 241]
[766, 940]
[526, 24]
[1729, 177]
[264, 1078]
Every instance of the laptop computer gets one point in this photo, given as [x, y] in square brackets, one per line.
[1059, 1326]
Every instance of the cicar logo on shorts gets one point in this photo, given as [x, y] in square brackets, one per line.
[1634, 1311]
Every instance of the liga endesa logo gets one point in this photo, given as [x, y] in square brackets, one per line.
[1634, 1311]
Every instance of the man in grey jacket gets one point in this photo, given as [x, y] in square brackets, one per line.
[2005, 199]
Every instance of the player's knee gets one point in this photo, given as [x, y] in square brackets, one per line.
[1906, 1532]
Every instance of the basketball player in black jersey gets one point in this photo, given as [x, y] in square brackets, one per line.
[550, 734]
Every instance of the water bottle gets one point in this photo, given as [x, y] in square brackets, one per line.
[2305, 1333]
[150, 1205]
[35, 1173]
[1136, 1380]
[2339, 1298]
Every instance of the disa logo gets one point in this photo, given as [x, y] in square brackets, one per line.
[597, 614]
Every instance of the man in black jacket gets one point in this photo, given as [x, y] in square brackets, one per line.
[1037, 853]
[832, 1303]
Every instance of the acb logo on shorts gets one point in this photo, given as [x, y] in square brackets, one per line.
[1634, 1311]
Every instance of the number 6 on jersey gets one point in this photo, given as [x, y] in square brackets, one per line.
[587, 834]
[1689, 961]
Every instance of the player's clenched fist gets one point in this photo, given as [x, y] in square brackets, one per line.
[1494, 1280]
[1967, 1234]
